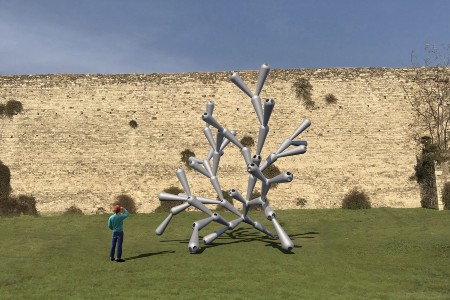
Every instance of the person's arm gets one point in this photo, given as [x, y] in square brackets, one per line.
[110, 224]
[125, 213]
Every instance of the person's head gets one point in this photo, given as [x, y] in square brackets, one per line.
[117, 209]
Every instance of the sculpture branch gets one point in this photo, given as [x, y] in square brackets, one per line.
[253, 165]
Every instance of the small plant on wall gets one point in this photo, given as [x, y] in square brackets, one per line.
[356, 199]
[185, 154]
[127, 202]
[73, 211]
[133, 124]
[330, 99]
[247, 141]
[303, 90]
[11, 108]
[301, 202]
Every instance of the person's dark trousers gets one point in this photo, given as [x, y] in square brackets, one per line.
[117, 238]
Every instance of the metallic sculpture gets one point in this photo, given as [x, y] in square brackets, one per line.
[254, 167]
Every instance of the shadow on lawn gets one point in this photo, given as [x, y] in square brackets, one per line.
[243, 235]
[148, 254]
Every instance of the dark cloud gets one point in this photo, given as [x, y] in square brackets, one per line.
[180, 36]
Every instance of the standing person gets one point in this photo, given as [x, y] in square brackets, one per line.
[115, 223]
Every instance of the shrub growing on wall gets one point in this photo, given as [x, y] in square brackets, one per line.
[301, 202]
[303, 89]
[185, 154]
[13, 107]
[74, 211]
[133, 124]
[446, 196]
[247, 141]
[165, 206]
[330, 99]
[127, 202]
[356, 199]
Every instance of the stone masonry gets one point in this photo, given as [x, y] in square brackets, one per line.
[73, 144]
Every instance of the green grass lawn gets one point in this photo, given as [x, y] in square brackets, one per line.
[339, 254]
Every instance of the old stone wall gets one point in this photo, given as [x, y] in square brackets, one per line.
[73, 144]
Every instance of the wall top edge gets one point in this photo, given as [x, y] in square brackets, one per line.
[209, 77]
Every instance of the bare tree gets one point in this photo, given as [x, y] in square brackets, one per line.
[429, 92]
[430, 95]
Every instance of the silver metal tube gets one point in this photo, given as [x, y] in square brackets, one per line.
[211, 121]
[210, 107]
[237, 80]
[193, 242]
[286, 243]
[236, 195]
[297, 150]
[256, 102]
[170, 197]
[283, 177]
[305, 124]
[183, 180]
[208, 239]
[208, 134]
[179, 208]
[268, 108]
[160, 229]
[263, 72]
[262, 135]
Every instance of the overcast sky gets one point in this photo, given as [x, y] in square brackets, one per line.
[167, 36]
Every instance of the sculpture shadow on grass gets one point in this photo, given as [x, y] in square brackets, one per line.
[244, 235]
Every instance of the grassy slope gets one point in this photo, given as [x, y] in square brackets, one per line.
[340, 254]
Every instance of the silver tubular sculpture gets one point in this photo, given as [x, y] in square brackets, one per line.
[254, 167]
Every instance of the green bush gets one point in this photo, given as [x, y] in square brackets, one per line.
[356, 199]
[127, 202]
[425, 172]
[15, 206]
[73, 210]
[185, 154]
[303, 89]
[13, 107]
[166, 206]
[5, 181]
[247, 141]
[8, 206]
[27, 205]
[446, 196]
